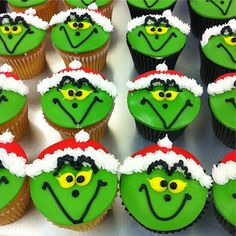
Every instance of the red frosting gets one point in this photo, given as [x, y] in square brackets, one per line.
[15, 148]
[10, 74]
[225, 75]
[229, 157]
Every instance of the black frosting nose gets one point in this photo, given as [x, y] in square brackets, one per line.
[75, 193]
[167, 198]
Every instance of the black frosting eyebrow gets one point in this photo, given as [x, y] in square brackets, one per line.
[160, 21]
[18, 19]
[74, 15]
[1, 165]
[226, 30]
[166, 84]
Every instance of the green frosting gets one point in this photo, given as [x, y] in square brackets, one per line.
[166, 210]
[214, 9]
[221, 50]
[79, 36]
[224, 200]
[17, 39]
[11, 104]
[152, 4]
[69, 112]
[10, 188]
[81, 204]
[221, 105]
[164, 110]
[86, 3]
[26, 3]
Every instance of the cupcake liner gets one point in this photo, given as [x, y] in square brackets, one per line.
[94, 60]
[154, 135]
[136, 12]
[143, 63]
[19, 125]
[28, 65]
[17, 207]
[3, 6]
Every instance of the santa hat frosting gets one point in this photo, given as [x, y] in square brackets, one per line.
[222, 84]
[225, 170]
[143, 81]
[10, 82]
[12, 156]
[141, 160]
[77, 72]
[78, 146]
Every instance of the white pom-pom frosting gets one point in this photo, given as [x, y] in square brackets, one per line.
[97, 17]
[93, 6]
[6, 68]
[29, 18]
[30, 11]
[216, 30]
[165, 142]
[162, 67]
[6, 137]
[173, 21]
[82, 136]
[75, 65]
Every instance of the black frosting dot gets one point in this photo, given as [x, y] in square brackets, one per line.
[81, 25]
[163, 183]
[173, 185]
[234, 195]
[71, 92]
[161, 94]
[69, 178]
[14, 28]
[168, 95]
[78, 93]
[80, 179]
[159, 29]
[6, 28]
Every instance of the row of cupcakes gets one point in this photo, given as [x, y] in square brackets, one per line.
[74, 182]
[161, 102]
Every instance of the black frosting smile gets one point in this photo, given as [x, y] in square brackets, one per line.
[87, 4]
[221, 45]
[221, 10]
[150, 5]
[80, 43]
[141, 33]
[186, 198]
[232, 101]
[100, 184]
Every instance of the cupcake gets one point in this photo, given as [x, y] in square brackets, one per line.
[82, 34]
[14, 185]
[163, 102]
[45, 8]
[22, 42]
[224, 192]
[74, 182]
[222, 102]
[104, 6]
[205, 14]
[163, 187]
[218, 51]
[13, 103]
[77, 98]
[145, 7]
[155, 39]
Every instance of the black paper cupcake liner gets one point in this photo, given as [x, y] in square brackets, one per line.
[3, 6]
[143, 63]
[199, 24]
[210, 71]
[136, 12]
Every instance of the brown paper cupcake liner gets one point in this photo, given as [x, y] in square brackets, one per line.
[19, 125]
[94, 60]
[17, 207]
[28, 65]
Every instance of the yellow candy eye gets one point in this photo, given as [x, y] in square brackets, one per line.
[82, 94]
[5, 29]
[176, 186]
[69, 94]
[151, 29]
[81, 25]
[161, 30]
[66, 180]
[83, 177]
[171, 95]
[159, 95]
[16, 29]
[231, 40]
[158, 184]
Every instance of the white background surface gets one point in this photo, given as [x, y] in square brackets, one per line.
[121, 138]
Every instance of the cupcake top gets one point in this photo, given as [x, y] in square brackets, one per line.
[12, 94]
[21, 32]
[222, 99]
[157, 35]
[164, 187]
[151, 4]
[214, 9]
[73, 181]
[224, 187]
[80, 30]
[219, 44]
[164, 99]
[87, 3]
[26, 3]
[76, 97]
[12, 168]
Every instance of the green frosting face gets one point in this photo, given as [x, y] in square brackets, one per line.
[18, 37]
[214, 9]
[221, 50]
[10, 186]
[73, 196]
[86, 3]
[11, 104]
[79, 34]
[26, 3]
[164, 107]
[225, 200]
[152, 4]
[158, 39]
[222, 104]
[76, 105]
[161, 201]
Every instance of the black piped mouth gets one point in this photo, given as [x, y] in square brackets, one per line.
[87, 4]
[150, 5]
[232, 101]
[223, 12]
[221, 45]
